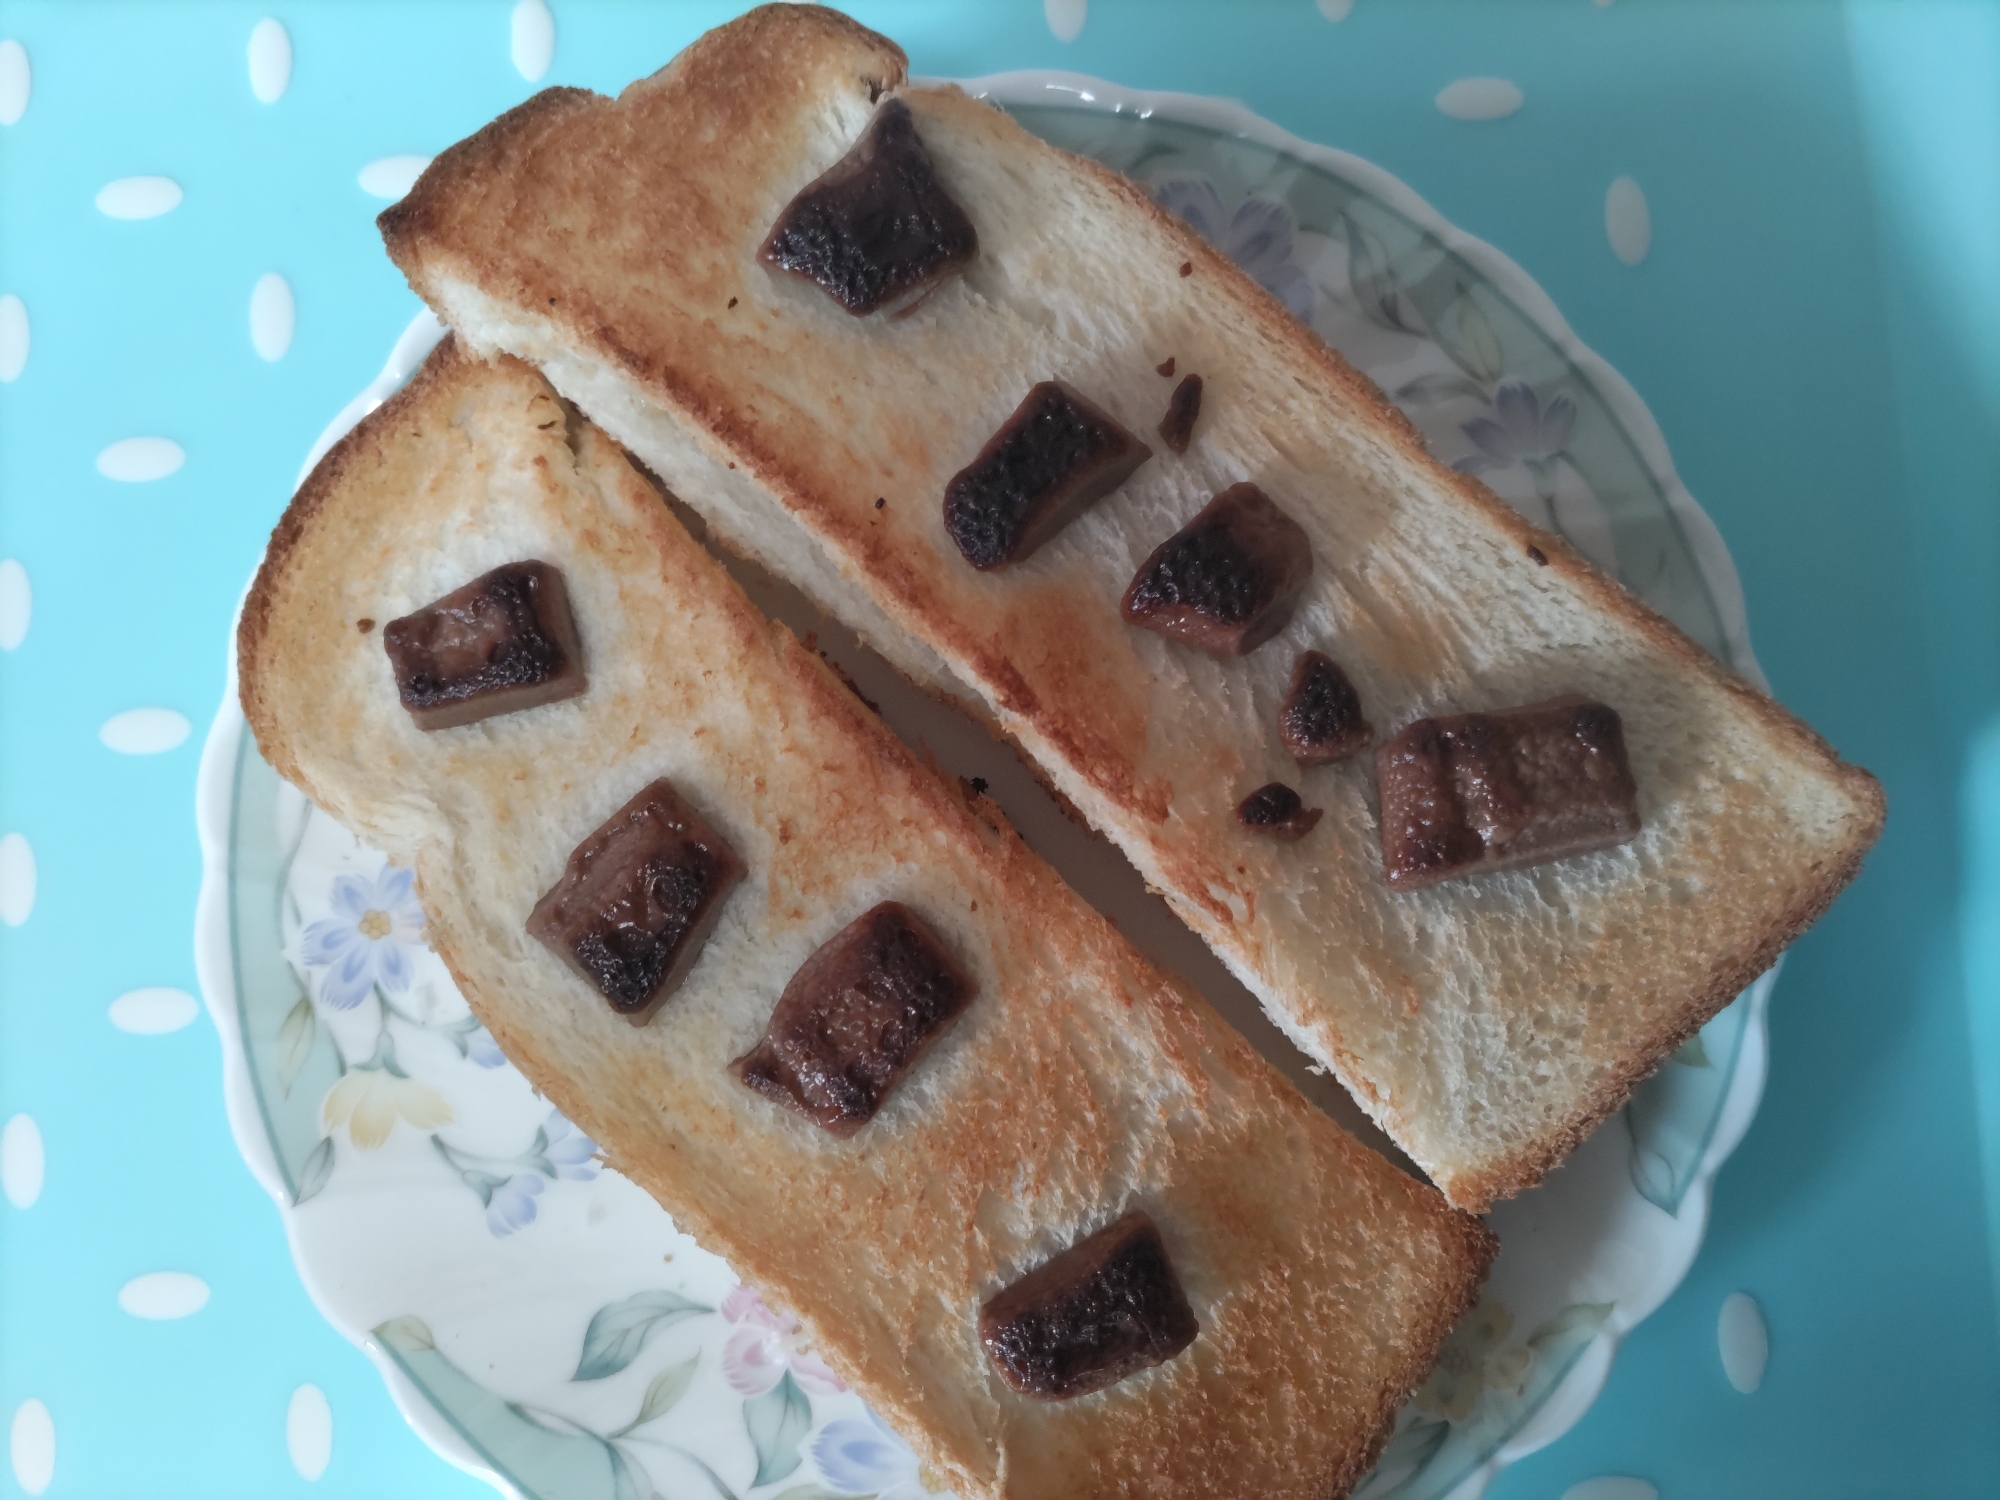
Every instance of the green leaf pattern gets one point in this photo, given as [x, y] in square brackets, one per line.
[777, 1422]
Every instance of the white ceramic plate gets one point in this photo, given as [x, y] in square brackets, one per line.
[539, 1319]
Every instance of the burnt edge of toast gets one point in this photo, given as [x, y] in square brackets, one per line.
[408, 224]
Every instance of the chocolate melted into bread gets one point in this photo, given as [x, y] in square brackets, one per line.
[1055, 456]
[1227, 581]
[1493, 790]
[855, 1018]
[503, 642]
[638, 900]
[877, 229]
[1103, 1309]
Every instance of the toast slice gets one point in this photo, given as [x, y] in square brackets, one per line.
[1487, 1023]
[1078, 1084]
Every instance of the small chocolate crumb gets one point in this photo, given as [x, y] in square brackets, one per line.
[880, 502]
[1187, 268]
[1177, 426]
[364, 625]
[1278, 812]
[1167, 369]
[979, 785]
[732, 466]
[552, 302]
[1541, 558]
[732, 301]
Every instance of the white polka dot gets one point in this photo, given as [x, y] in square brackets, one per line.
[160, 1295]
[32, 1446]
[392, 176]
[309, 1431]
[1336, 10]
[17, 880]
[1479, 99]
[272, 316]
[139, 197]
[1744, 1343]
[136, 460]
[270, 60]
[21, 1161]
[154, 1011]
[144, 731]
[17, 603]
[531, 39]
[15, 82]
[13, 338]
[1066, 17]
[1628, 222]
[1611, 1487]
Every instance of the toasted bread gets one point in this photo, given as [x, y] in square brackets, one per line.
[1487, 1023]
[1077, 1085]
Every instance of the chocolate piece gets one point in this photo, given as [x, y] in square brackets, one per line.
[1177, 426]
[855, 1019]
[1101, 1310]
[877, 228]
[504, 642]
[1491, 791]
[1277, 812]
[1320, 719]
[1056, 454]
[638, 900]
[1166, 367]
[1228, 580]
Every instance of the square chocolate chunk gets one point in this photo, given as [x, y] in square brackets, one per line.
[1056, 455]
[504, 642]
[638, 900]
[1103, 1309]
[855, 1019]
[1495, 790]
[876, 229]
[1227, 581]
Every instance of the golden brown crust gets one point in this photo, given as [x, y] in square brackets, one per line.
[1082, 1077]
[1064, 684]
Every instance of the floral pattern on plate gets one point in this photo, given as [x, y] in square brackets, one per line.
[616, 1360]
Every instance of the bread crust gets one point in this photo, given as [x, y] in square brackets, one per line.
[1079, 1082]
[1058, 674]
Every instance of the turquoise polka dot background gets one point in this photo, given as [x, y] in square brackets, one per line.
[1813, 320]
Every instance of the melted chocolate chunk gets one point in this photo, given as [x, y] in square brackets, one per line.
[876, 229]
[638, 900]
[1056, 455]
[1320, 719]
[1101, 1310]
[1277, 812]
[1228, 580]
[1491, 791]
[1177, 426]
[503, 642]
[855, 1019]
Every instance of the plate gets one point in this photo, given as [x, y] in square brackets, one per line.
[538, 1318]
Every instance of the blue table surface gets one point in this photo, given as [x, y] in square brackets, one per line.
[1814, 328]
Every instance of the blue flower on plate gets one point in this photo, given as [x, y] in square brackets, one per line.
[569, 1151]
[512, 1205]
[370, 939]
[1258, 236]
[867, 1458]
[483, 1050]
[1521, 429]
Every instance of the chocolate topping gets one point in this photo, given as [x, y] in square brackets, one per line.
[1228, 580]
[504, 642]
[1491, 791]
[1057, 454]
[855, 1019]
[876, 229]
[638, 900]
[1177, 426]
[1277, 811]
[1320, 719]
[1101, 1310]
